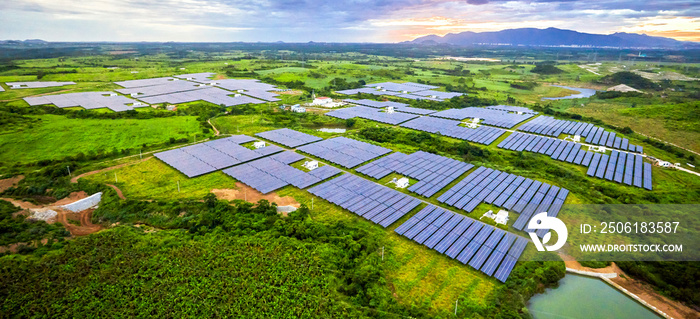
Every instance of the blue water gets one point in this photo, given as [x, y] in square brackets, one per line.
[584, 297]
[583, 93]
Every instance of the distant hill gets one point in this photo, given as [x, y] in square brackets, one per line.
[554, 37]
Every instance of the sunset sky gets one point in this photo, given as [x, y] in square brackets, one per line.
[333, 20]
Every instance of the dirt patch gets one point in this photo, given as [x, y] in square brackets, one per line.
[10, 182]
[291, 92]
[86, 226]
[644, 291]
[75, 179]
[219, 77]
[248, 193]
[641, 289]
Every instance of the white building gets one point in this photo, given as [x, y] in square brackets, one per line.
[402, 182]
[322, 101]
[500, 218]
[297, 108]
[390, 109]
[259, 144]
[311, 165]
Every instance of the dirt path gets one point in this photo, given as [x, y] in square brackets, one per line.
[119, 191]
[75, 179]
[248, 193]
[641, 289]
[216, 132]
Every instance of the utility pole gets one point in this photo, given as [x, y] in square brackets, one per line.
[312, 203]
[456, 301]
[68, 167]
[115, 177]
[178, 185]
[382, 253]
[140, 154]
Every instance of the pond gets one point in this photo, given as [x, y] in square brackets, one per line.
[583, 93]
[332, 130]
[585, 297]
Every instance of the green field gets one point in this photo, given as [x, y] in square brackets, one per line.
[54, 137]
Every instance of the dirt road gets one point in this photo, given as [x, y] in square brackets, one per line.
[75, 179]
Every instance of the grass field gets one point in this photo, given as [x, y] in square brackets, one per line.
[153, 179]
[55, 137]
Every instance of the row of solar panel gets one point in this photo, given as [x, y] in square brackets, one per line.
[87, 100]
[521, 195]
[399, 107]
[488, 116]
[484, 247]
[379, 204]
[621, 167]
[557, 149]
[433, 172]
[482, 134]
[371, 114]
[289, 138]
[509, 108]
[198, 159]
[272, 173]
[344, 151]
[595, 135]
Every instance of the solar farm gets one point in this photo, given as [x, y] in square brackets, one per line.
[550, 126]
[289, 138]
[173, 90]
[407, 90]
[481, 246]
[434, 172]
[345, 152]
[481, 134]
[372, 114]
[488, 116]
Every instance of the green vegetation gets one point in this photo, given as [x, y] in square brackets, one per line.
[634, 80]
[15, 230]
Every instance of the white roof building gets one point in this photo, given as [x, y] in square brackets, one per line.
[311, 165]
[402, 182]
[297, 108]
[259, 144]
[322, 100]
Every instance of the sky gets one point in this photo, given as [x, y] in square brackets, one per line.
[333, 20]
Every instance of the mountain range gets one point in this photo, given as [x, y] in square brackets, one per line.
[554, 37]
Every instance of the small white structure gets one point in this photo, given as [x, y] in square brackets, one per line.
[170, 107]
[237, 95]
[500, 218]
[390, 109]
[663, 163]
[134, 72]
[322, 101]
[575, 138]
[600, 149]
[259, 144]
[691, 165]
[474, 123]
[297, 108]
[402, 182]
[677, 165]
[311, 165]
[112, 94]
[134, 94]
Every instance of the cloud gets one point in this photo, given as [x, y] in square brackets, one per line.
[322, 20]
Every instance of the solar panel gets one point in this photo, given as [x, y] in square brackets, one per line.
[344, 151]
[289, 138]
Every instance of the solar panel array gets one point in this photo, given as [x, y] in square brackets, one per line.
[483, 247]
[482, 134]
[202, 158]
[488, 116]
[515, 193]
[621, 167]
[371, 114]
[210, 94]
[557, 149]
[509, 108]
[408, 90]
[87, 100]
[2, 89]
[164, 88]
[36, 85]
[203, 77]
[250, 87]
[146, 82]
[375, 104]
[272, 173]
[595, 135]
[433, 172]
[379, 204]
[344, 151]
[289, 138]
